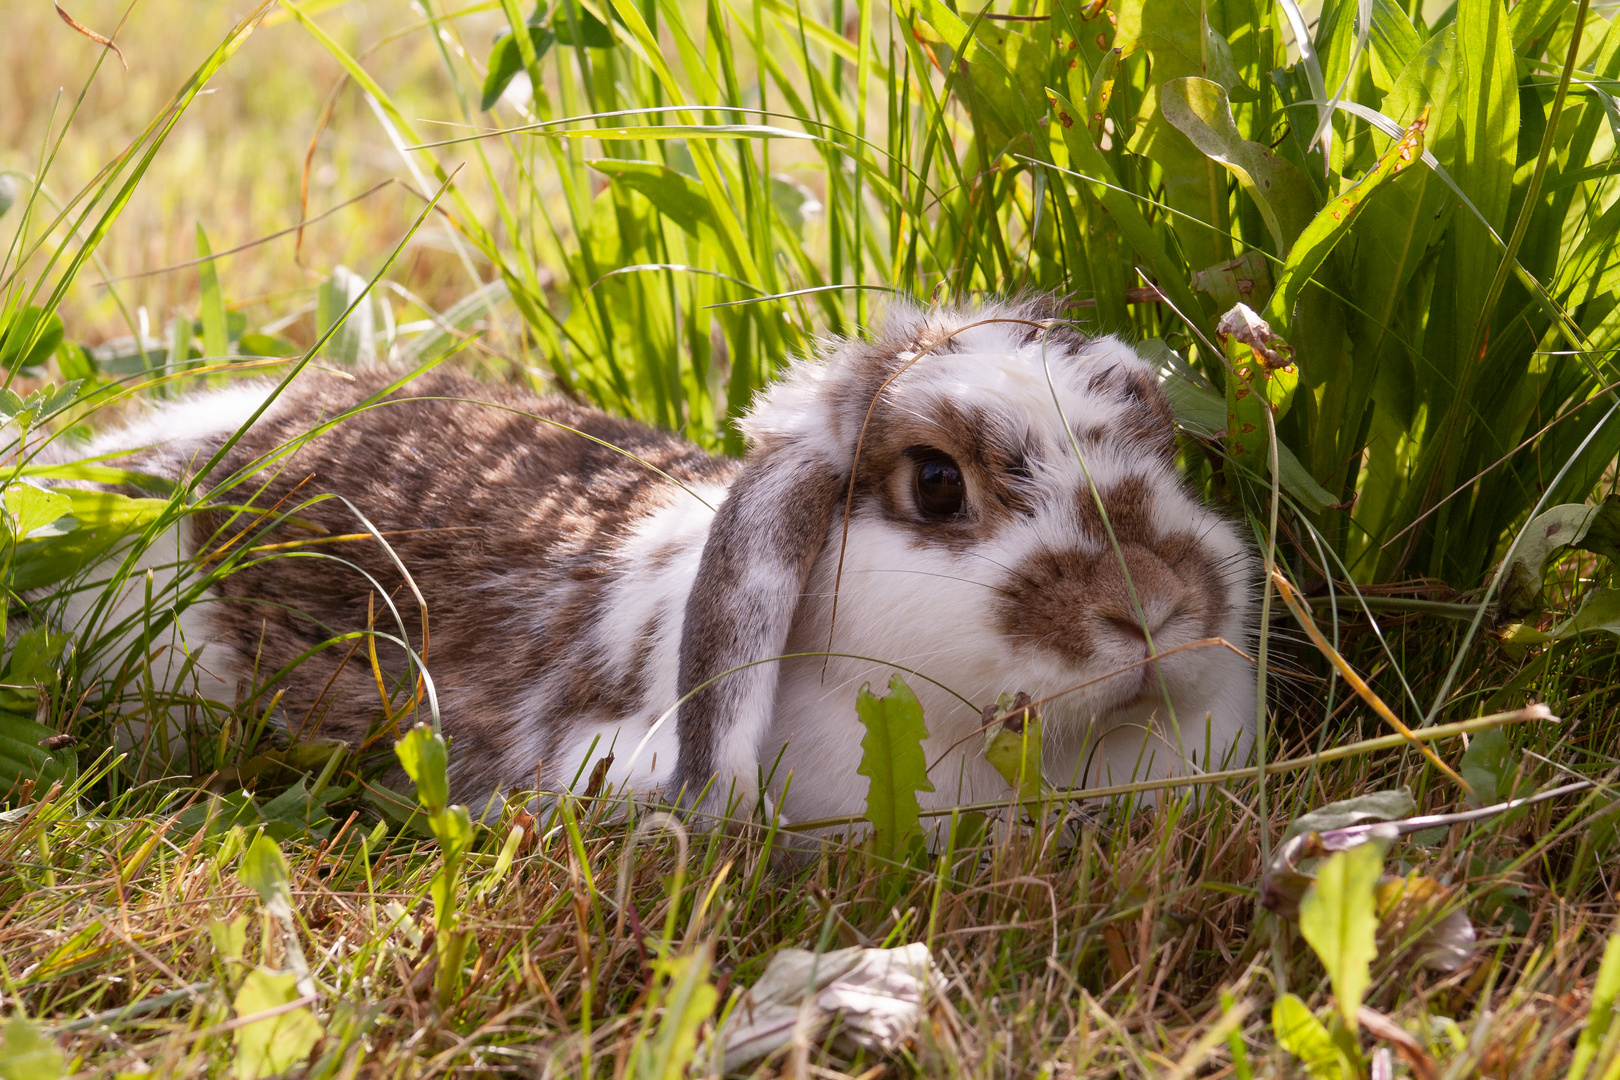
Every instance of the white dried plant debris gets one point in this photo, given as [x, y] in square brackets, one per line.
[875, 996]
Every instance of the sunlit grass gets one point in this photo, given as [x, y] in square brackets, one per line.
[651, 274]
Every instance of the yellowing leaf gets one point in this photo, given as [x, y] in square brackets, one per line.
[276, 1043]
[28, 1054]
[229, 938]
[1014, 748]
[1302, 1034]
[1340, 921]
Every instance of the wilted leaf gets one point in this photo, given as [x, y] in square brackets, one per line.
[274, 1044]
[877, 996]
[1243, 280]
[1340, 921]
[1414, 903]
[1374, 806]
[1266, 379]
[893, 763]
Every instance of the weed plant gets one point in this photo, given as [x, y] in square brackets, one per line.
[654, 202]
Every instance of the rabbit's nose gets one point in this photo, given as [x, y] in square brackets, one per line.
[1129, 626]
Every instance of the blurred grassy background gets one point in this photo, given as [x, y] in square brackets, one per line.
[236, 160]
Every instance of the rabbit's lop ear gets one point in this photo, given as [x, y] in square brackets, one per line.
[763, 542]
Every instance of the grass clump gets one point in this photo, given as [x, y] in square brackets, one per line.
[648, 204]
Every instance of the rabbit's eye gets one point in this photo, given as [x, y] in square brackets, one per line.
[940, 489]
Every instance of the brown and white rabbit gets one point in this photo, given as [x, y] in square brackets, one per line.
[578, 588]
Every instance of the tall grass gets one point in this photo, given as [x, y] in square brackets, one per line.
[743, 175]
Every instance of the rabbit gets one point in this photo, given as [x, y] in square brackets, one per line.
[979, 500]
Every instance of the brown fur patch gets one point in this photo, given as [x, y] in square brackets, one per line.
[1059, 600]
[505, 523]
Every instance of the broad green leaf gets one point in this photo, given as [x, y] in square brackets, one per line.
[453, 829]
[1333, 222]
[28, 338]
[1243, 280]
[75, 362]
[1483, 162]
[1303, 1035]
[893, 763]
[51, 399]
[264, 870]
[351, 343]
[1203, 412]
[1600, 611]
[1590, 528]
[1600, 1014]
[104, 518]
[426, 759]
[1487, 765]
[275, 1044]
[8, 194]
[1339, 919]
[26, 1053]
[1101, 184]
[29, 508]
[229, 937]
[1178, 41]
[676, 195]
[23, 758]
[1199, 110]
[215, 335]
[999, 84]
[506, 60]
[1392, 43]
[1374, 806]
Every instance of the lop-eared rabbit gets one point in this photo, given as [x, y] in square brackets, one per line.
[988, 500]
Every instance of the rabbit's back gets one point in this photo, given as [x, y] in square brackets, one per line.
[522, 537]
